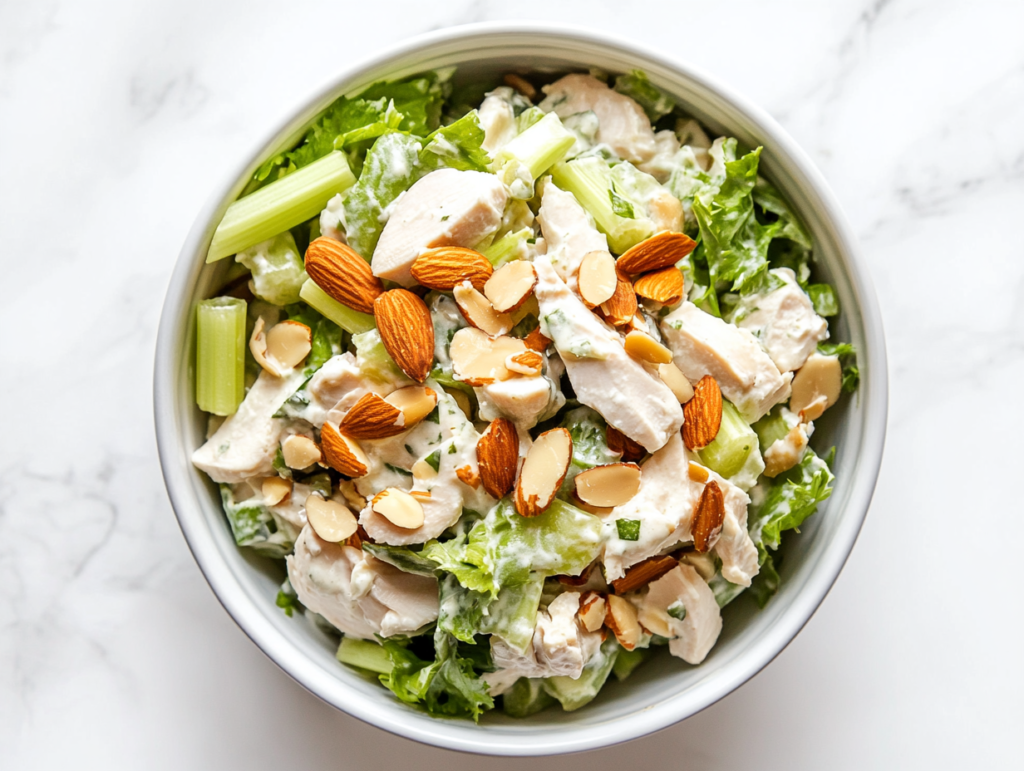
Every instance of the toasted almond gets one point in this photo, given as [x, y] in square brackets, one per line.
[275, 490]
[415, 402]
[258, 347]
[663, 286]
[479, 359]
[289, 343]
[373, 418]
[479, 312]
[592, 611]
[674, 378]
[637, 324]
[521, 84]
[421, 495]
[708, 517]
[445, 267]
[399, 508]
[655, 621]
[347, 488]
[596, 278]
[330, 520]
[610, 485]
[785, 453]
[407, 331]
[341, 273]
[590, 508]
[462, 399]
[630, 451]
[621, 619]
[821, 376]
[511, 285]
[535, 341]
[697, 473]
[468, 476]
[659, 251]
[702, 415]
[528, 363]
[543, 471]
[643, 573]
[300, 452]
[358, 538]
[344, 455]
[497, 455]
[620, 309]
[644, 347]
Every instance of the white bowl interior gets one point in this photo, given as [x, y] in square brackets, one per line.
[664, 690]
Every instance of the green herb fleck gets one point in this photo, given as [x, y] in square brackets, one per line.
[434, 459]
[629, 529]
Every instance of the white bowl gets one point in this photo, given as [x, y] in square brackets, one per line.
[663, 691]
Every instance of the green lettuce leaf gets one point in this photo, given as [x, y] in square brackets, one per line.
[457, 146]
[790, 499]
[656, 103]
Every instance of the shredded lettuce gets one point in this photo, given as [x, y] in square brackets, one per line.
[255, 526]
[790, 499]
[656, 103]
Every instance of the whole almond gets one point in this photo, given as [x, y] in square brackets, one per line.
[344, 275]
[621, 308]
[535, 341]
[663, 286]
[643, 573]
[497, 455]
[342, 454]
[445, 267]
[630, 451]
[407, 331]
[373, 418]
[702, 415]
[708, 517]
[657, 252]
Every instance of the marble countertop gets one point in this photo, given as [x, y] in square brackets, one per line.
[117, 118]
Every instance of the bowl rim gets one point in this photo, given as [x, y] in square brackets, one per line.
[243, 609]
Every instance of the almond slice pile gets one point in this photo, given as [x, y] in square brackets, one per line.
[479, 359]
[608, 486]
[543, 470]
[479, 312]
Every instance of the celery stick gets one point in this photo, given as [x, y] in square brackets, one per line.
[281, 205]
[540, 147]
[589, 179]
[364, 654]
[351, 321]
[220, 354]
[771, 428]
[506, 248]
[735, 441]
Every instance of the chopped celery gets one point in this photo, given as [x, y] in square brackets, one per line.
[537, 149]
[277, 269]
[771, 428]
[280, 206]
[364, 655]
[627, 661]
[589, 179]
[351, 321]
[506, 248]
[574, 694]
[527, 697]
[220, 355]
[734, 443]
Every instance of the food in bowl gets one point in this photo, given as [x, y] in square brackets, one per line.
[519, 380]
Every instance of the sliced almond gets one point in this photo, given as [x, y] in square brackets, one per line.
[697, 472]
[620, 309]
[468, 476]
[543, 471]
[708, 517]
[479, 359]
[590, 508]
[521, 84]
[258, 347]
[407, 331]
[289, 343]
[535, 341]
[655, 621]
[300, 452]
[659, 251]
[663, 286]
[399, 508]
[596, 278]
[611, 485]
[646, 348]
[373, 418]
[421, 495]
[423, 470]
[821, 376]
[592, 611]
[630, 451]
[445, 267]
[622, 620]
[637, 324]
[275, 490]
[344, 275]
[702, 415]
[511, 285]
[676, 381]
[497, 455]
[643, 573]
[479, 312]
[344, 455]
[330, 520]
[785, 453]
[528, 363]
[415, 402]
[355, 501]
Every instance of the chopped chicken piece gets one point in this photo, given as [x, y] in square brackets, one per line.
[498, 121]
[784, 321]
[622, 123]
[695, 634]
[627, 395]
[445, 208]
[703, 344]
[523, 400]
[662, 163]
[245, 444]
[337, 385]
[569, 232]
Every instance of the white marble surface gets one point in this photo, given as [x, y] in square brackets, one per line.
[116, 118]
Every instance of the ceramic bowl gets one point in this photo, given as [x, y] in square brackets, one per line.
[665, 690]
